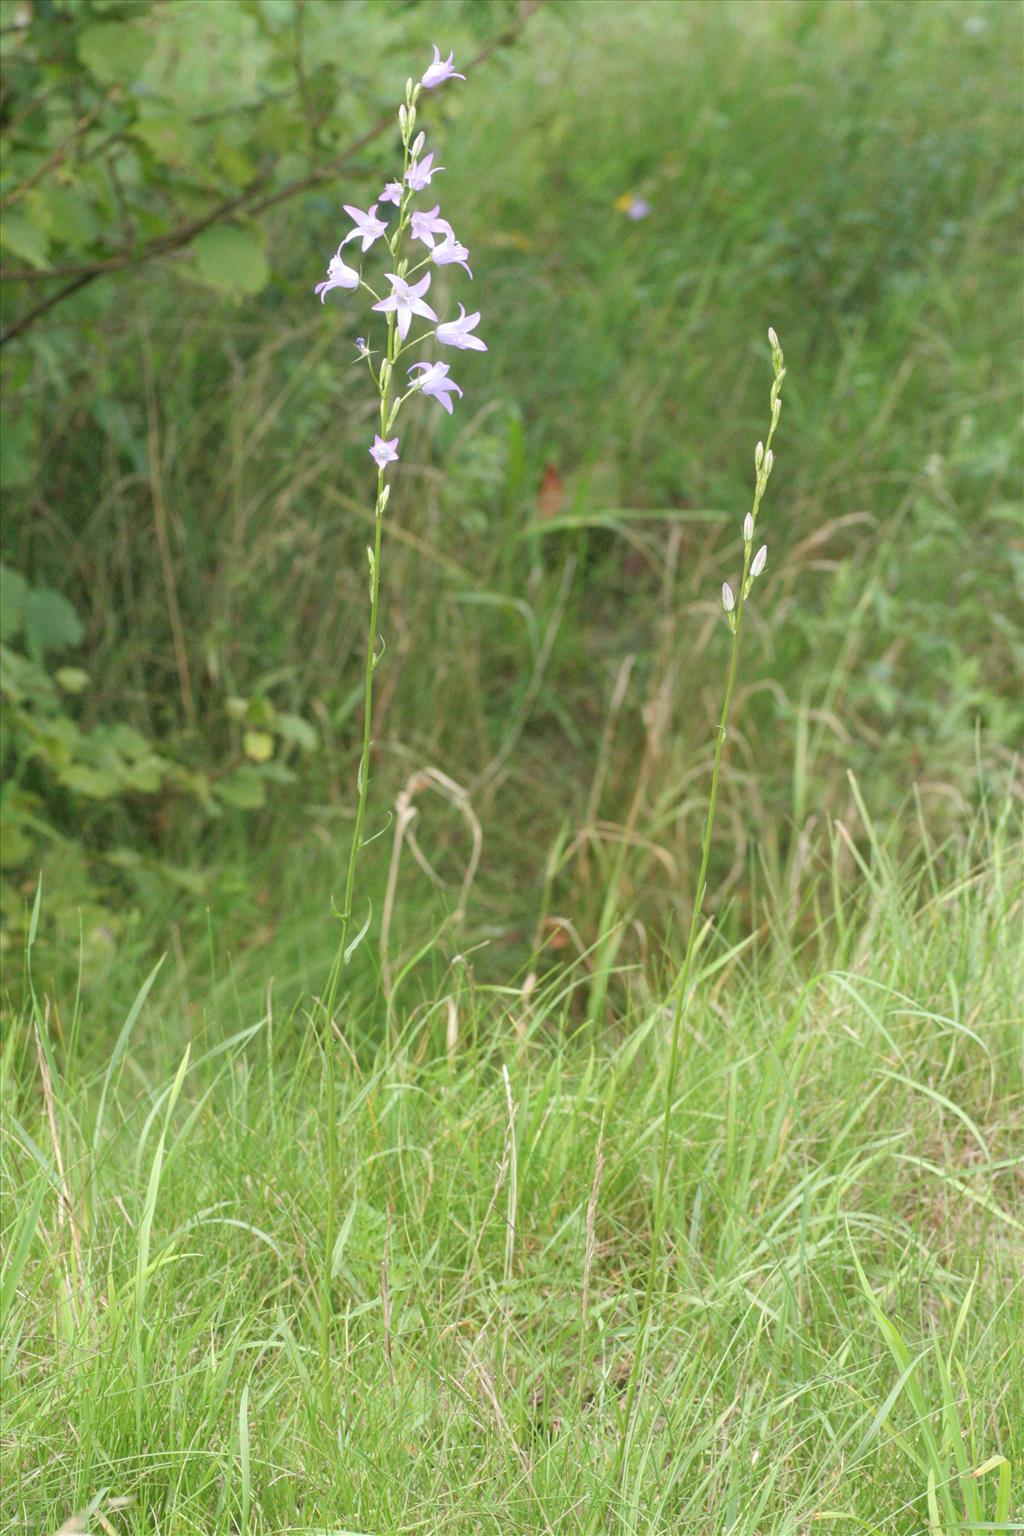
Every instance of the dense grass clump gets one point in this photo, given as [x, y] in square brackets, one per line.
[839, 1321]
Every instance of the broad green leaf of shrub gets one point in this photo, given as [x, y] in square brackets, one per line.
[144, 776]
[114, 51]
[23, 236]
[231, 258]
[127, 741]
[72, 679]
[71, 219]
[258, 746]
[16, 461]
[294, 728]
[51, 624]
[13, 592]
[169, 138]
[245, 790]
[97, 783]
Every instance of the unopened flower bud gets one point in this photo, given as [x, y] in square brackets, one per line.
[757, 564]
[403, 119]
[758, 455]
[384, 497]
[773, 340]
[385, 374]
[418, 144]
[748, 527]
[728, 601]
[769, 460]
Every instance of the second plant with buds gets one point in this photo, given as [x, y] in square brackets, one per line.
[733, 604]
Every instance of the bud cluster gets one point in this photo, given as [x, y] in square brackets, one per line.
[764, 460]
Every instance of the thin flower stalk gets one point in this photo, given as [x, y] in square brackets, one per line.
[402, 307]
[733, 605]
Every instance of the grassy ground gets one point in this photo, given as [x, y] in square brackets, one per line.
[839, 1322]
[837, 1334]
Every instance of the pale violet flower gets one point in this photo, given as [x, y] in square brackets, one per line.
[758, 563]
[728, 601]
[450, 251]
[392, 193]
[433, 380]
[421, 172]
[406, 300]
[455, 333]
[638, 208]
[368, 227]
[384, 451]
[426, 225]
[440, 70]
[338, 276]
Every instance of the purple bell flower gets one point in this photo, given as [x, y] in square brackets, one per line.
[368, 227]
[406, 300]
[421, 172]
[338, 276]
[433, 380]
[455, 333]
[439, 71]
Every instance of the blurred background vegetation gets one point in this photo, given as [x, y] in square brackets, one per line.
[187, 493]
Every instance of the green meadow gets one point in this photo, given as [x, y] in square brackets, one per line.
[553, 1222]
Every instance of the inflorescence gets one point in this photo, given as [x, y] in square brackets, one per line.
[407, 300]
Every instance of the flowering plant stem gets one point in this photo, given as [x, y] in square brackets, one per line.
[405, 301]
[679, 998]
[384, 380]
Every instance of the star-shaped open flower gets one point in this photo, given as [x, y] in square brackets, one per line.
[421, 172]
[338, 276]
[406, 300]
[440, 70]
[392, 193]
[368, 227]
[433, 380]
[455, 333]
[384, 450]
[449, 251]
[426, 225]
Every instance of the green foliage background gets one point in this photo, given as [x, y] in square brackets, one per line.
[241, 1292]
[186, 484]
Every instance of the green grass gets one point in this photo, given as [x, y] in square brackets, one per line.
[839, 1321]
[837, 1335]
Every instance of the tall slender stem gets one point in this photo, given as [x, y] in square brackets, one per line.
[384, 379]
[681, 992]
